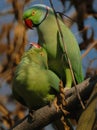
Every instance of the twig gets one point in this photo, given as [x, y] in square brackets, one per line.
[6, 12]
[89, 49]
[65, 50]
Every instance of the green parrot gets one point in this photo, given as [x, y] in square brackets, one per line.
[34, 85]
[42, 17]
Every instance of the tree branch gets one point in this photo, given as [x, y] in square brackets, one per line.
[7, 12]
[47, 114]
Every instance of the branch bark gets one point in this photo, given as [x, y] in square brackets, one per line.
[47, 114]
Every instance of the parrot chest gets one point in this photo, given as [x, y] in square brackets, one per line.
[51, 39]
[33, 86]
[52, 45]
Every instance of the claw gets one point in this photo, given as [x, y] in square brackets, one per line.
[66, 127]
[61, 99]
[62, 94]
[65, 112]
[55, 104]
[66, 89]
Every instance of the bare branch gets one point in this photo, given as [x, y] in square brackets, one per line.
[68, 22]
[7, 12]
[89, 48]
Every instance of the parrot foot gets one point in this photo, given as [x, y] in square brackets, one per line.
[55, 104]
[62, 94]
[62, 99]
[59, 107]
[60, 102]
[66, 89]
[64, 121]
[63, 110]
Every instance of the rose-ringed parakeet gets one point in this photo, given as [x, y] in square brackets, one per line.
[34, 85]
[43, 18]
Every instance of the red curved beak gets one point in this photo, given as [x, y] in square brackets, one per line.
[29, 23]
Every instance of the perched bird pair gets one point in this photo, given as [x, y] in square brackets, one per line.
[37, 79]
[43, 18]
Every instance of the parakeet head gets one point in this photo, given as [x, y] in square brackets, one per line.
[35, 15]
[39, 52]
[38, 48]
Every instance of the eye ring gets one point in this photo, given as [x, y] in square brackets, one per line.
[33, 13]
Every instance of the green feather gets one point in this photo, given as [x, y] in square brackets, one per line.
[34, 85]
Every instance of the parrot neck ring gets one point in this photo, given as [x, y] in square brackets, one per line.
[46, 14]
[29, 23]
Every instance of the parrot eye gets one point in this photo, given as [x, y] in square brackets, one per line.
[28, 23]
[33, 13]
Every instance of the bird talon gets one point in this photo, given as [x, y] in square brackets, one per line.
[66, 127]
[62, 94]
[55, 104]
[66, 89]
[63, 110]
[63, 101]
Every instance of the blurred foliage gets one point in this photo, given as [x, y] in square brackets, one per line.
[13, 38]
